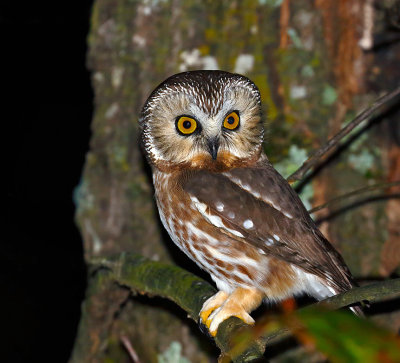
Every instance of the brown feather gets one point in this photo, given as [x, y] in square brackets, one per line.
[300, 242]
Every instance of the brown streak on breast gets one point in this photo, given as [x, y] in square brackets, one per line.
[185, 235]
[245, 271]
[237, 279]
[224, 273]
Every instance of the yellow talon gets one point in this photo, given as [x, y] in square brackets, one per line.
[213, 303]
[205, 314]
[222, 306]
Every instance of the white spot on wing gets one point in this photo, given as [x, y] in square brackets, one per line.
[276, 237]
[246, 187]
[269, 242]
[194, 200]
[248, 224]
[256, 194]
[287, 214]
[234, 232]
[219, 206]
[213, 219]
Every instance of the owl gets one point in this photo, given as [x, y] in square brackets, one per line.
[223, 203]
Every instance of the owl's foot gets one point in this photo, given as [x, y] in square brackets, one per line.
[213, 303]
[239, 304]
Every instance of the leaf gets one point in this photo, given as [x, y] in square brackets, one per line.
[343, 337]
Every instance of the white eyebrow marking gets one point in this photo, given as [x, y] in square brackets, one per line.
[248, 224]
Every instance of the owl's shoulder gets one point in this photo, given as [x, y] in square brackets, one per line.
[238, 186]
[264, 182]
[243, 184]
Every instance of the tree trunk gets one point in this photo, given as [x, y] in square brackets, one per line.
[313, 76]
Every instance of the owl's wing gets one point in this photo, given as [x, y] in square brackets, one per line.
[257, 206]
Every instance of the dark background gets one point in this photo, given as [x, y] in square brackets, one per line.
[45, 119]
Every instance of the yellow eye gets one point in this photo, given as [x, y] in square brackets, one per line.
[186, 125]
[231, 121]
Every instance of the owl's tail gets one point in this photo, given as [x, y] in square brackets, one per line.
[358, 308]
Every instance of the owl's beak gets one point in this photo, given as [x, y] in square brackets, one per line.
[213, 145]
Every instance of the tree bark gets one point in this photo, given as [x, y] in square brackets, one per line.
[305, 58]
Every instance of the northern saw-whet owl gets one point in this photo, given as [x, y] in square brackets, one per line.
[224, 204]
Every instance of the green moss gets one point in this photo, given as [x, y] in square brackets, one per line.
[329, 95]
[163, 281]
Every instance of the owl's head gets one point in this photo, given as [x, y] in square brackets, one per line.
[202, 119]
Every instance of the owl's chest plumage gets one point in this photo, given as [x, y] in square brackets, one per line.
[230, 261]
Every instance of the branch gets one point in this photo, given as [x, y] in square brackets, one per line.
[316, 157]
[143, 276]
[355, 193]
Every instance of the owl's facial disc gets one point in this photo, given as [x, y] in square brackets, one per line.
[202, 117]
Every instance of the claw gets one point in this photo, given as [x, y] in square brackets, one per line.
[222, 306]
[205, 314]
[204, 329]
[224, 313]
[213, 303]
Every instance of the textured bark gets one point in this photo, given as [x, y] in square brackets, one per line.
[305, 59]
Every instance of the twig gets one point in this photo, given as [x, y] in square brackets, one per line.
[315, 158]
[189, 292]
[376, 292]
[128, 346]
[354, 193]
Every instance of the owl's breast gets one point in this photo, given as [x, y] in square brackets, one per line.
[184, 223]
[230, 261]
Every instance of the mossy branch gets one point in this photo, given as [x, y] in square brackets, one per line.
[152, 278]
